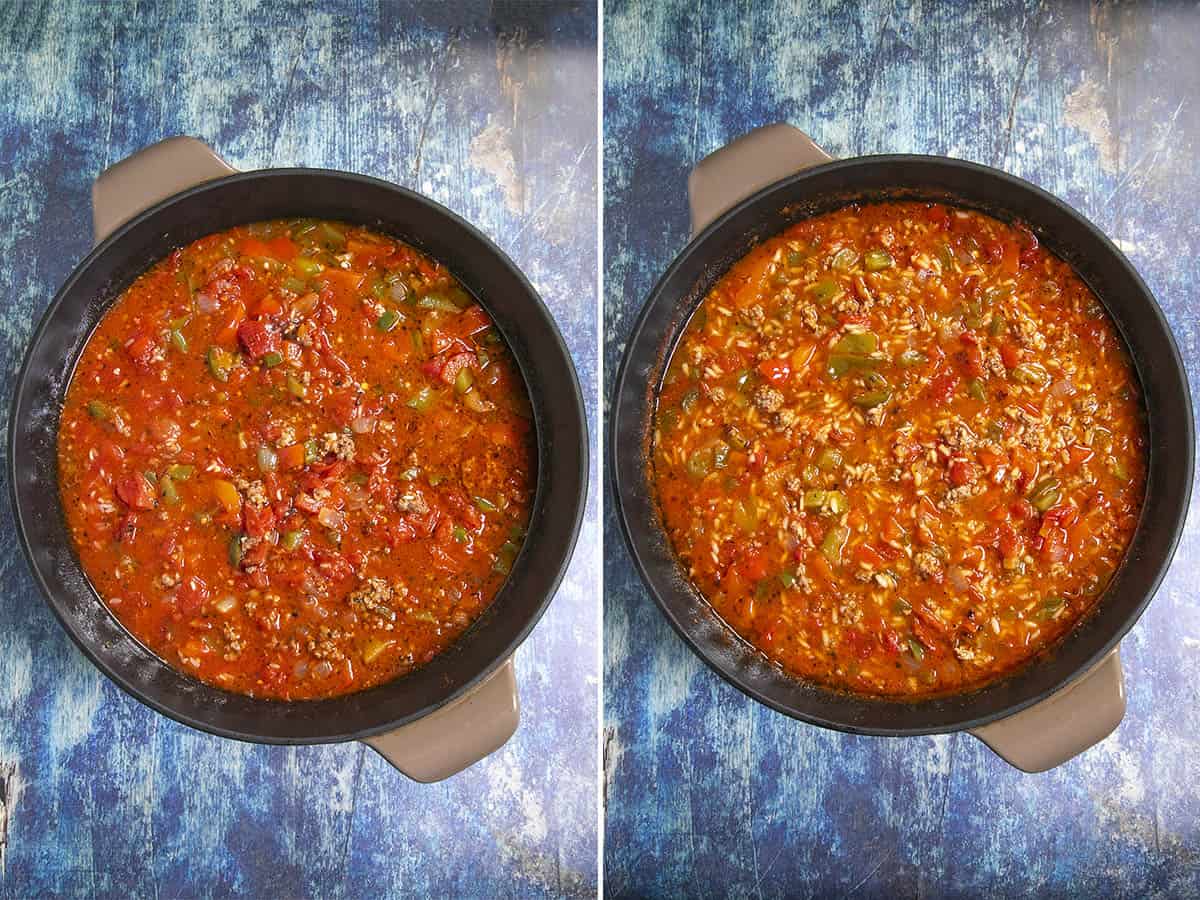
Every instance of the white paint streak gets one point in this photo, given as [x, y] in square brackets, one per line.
[491, 152]
[1084, 110]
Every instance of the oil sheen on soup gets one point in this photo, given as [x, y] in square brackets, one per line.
[296, 459]
[900, 449]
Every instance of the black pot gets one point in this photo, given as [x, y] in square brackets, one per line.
[1047, 711]
[473, 717]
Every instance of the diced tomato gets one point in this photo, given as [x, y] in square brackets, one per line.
[973, 360]
[257, 521]
[291, 456]
[1011, 355]
[456, 364]
[256, 555]
[891, 640]
[136, 492]
[860, 643]
[777, 370]
[938, 215]
[752, 564]
[256, 339]
[281, 248]
[1061, 516]
[869, 556]
[141, 349]
[1022, 510]
[333, 565]
[892, 529]
[1054, 545]
[126, 529]
[1078, 454]
[472, 320]
[191, 594]
[962, 472]
[228, 332]
[441, 559]
[943, 387]
[1029, 253]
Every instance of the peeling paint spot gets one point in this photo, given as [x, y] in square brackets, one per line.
[491, 153]
[1083, 109]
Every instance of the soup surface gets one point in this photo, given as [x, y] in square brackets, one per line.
[296, 459]
[900, 448]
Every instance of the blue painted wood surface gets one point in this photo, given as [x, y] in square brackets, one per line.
[489, 109]
[709, 794]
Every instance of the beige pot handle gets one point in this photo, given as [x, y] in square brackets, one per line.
[735, 171]
[139, 181]
[459, 734]
[1063, 725]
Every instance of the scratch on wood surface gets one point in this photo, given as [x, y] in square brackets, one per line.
[437, 77]
[1026, 55]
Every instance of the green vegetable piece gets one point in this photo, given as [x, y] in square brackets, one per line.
[296, 387]
[877, 260]
[1046, 493]
[220, 363]
[699, 464]
[857, 343]
[463, 380]
[486, 505]
[794, 259]
[787, 578]
[843, 260]
[834, 542]
[690, 399]
[166, 486]
[307, 266]
[180, 472]
[312, 452]
[436, 301]
[410, 474]
[505, 557]
[295, 285]
[976, 389]
[1119, 470]
[736, 437]
[272, 359]
[997, 326]
[386, 322]
[841, 363]
[720, 455]
[235, 550]
[178, 340]
[1031, 373]
[460, 534]
[421, 400]
[871, 399]
[745, 515]
[1049, 608]
[668, 419]
[829, 458]
[333, 235]
[99, 410]
[291, 539]
[824, 290]
[916, 649]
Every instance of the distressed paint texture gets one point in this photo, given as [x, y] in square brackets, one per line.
[101, 797]
[709, 794]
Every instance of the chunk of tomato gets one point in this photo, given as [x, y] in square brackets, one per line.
[256, 339]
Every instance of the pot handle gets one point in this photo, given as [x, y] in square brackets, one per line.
[743, 166]
[1063, 725]
[459, 734]
[152, 174]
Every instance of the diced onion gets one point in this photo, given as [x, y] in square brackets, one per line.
[362, 424]
[226, 605]
[206, 302]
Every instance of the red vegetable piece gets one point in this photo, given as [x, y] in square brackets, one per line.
[256, 339]
[456, 364]
[136, 492]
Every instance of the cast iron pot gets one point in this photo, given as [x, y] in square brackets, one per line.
[1063, 701]
[462, 705]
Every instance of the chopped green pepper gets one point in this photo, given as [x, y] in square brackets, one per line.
[486, 505]
[843, 260]
[824, 290]
[179, 340]
[829, 459]
[389, 320]
[180, 472]
[220, 363]
[787, 578]
[1045, 494]
[167, 487]
[235, 550]
[100, 410]
[745, 515]
[421, 400]
[1031, 373]
[296, 387]
[1049, 608]
[916, 649]
[435, 301]
[272, 359]
[463, 380]
[291, 539]
[871, 399]
[859, 343]
[834, 542]
[460, 534]
[308, 266]
[877, 260]
[976, 389]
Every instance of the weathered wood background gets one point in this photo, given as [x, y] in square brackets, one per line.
[709, 794]
[487, 108]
